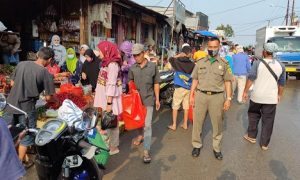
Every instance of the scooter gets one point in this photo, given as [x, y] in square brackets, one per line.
[63, 152]
[166, 88]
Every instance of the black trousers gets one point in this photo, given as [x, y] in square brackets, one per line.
[265, 112]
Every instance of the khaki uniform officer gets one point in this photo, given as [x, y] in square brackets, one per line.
[209, 77]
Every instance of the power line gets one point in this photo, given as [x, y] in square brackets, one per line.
[255, 22]
[232, 9]
[159, 1]
[250, 27]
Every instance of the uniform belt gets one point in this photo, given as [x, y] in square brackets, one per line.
[211, 92]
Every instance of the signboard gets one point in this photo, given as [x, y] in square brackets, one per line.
[179, 11]
[148, 19]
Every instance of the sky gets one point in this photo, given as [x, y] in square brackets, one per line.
[244, 20]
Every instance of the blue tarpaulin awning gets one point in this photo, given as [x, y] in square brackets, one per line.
[205, 33]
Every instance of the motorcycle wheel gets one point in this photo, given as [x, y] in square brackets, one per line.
[89, 165]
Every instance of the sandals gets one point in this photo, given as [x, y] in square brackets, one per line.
[146, 158]
[138, 141]
[185, 128]
[171, 128]
[265, 148]
[249, 139]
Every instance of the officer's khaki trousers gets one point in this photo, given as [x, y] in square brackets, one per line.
[213, 104]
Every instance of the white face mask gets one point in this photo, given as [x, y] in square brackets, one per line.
[70, 56]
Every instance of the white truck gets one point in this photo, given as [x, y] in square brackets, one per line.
[288, 40]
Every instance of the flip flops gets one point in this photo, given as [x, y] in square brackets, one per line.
[171, 128]
[249, 139]
[146, 158]
[138, 141]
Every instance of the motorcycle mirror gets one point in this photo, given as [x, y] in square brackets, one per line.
[92, 117]
[3, 102]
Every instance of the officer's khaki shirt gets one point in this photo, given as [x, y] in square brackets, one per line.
[212, 76]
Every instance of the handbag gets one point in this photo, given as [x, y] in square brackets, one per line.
[109, 121]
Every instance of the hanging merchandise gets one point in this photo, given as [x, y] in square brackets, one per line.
[51, 11]
[53, 27]
[106, 14]
[35, 29]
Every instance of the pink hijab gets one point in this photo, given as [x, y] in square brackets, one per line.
[110, 52]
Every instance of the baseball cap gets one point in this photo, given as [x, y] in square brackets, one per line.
[137, 49]
[270, 47]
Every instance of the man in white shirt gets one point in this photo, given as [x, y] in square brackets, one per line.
[266, 94]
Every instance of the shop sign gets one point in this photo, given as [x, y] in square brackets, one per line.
[179, 11]
[148, 19]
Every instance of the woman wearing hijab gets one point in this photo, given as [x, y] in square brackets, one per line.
[109, 88]
[90, 69]
[72, 65]
[128, 61]
[59, 50]
[82, 50]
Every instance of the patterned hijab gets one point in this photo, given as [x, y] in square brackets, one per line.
[110, 53]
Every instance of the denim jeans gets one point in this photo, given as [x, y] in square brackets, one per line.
[14, 119]
[148, 128]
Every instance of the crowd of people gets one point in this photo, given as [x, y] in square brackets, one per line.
[204, 80]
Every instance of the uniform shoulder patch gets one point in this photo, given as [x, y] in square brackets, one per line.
[224, 60]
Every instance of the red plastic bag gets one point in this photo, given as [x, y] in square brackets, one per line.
[53, 69]
[191, 113]
[134, 112]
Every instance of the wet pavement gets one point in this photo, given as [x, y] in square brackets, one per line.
[171, 150]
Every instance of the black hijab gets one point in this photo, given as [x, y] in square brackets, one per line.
[91, 69]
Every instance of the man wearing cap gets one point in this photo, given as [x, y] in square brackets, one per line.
[268, 77]
[146, 78]
[210, 76]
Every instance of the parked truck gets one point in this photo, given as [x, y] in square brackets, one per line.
[288, 40]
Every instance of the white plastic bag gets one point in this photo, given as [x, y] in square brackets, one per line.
[70, 113]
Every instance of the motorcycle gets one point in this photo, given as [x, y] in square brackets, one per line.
[63, 151]
[166, 88]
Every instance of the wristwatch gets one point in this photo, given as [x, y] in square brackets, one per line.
[229, 98]
[109, 103]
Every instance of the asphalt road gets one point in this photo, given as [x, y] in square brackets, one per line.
[171, 151]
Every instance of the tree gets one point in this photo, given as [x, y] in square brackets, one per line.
[227, 29]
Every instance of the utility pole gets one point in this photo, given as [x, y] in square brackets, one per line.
[174, 22]
[287, 13]
[293, 13]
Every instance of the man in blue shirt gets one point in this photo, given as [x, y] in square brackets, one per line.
[183, 68]
[241, 68]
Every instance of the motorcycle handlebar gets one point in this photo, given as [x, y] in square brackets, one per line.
[32, 130]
